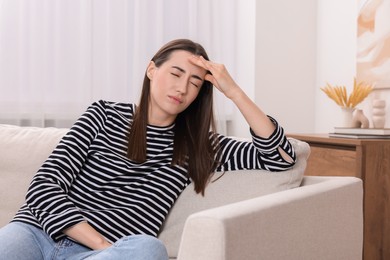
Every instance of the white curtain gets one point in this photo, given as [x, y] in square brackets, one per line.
[58, 56]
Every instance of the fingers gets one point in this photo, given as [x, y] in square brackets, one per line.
[208, 64]
[205, 64]
[199, 61]
[218, 71]
[211, 79]
[212, 66]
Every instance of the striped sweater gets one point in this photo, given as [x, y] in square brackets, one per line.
[89, 178]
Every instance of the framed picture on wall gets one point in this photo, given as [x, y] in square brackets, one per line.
[373, 43]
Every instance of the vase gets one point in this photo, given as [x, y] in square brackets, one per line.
[359, 120]
[378, 113]
[347, 117]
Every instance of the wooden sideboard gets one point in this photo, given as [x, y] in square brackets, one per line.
[368, 159]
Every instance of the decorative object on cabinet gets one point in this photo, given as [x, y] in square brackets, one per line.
[378, 113]
[346, 102]
[359, 120]
[347, 117]
[339, 93]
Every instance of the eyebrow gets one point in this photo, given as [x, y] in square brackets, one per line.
[182, 70]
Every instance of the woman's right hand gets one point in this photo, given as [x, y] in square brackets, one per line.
[86, 235]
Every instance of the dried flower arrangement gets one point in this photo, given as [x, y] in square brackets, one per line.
[339, 94]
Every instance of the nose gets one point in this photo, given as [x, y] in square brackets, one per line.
[182, 86]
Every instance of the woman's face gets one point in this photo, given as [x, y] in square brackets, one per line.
[173, 87]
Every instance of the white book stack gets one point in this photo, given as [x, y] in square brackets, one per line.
[363, 133]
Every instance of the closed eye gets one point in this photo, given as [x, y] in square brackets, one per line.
[196, 85]
[179, 73]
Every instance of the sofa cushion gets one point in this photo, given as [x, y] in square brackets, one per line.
[230, 187]
[22, 152]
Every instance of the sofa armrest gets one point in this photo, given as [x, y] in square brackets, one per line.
[322, 220]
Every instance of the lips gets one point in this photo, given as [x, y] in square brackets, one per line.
[175, 99]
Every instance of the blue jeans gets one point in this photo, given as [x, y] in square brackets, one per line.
[19, 241]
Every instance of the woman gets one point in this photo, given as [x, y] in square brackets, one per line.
[106, 189]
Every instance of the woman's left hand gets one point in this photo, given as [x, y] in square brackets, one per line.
[219, 76]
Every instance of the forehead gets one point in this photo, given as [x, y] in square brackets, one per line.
[180, 59]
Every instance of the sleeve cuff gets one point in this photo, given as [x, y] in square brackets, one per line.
[271, 143]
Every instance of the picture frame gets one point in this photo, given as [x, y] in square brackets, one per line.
[373, 43]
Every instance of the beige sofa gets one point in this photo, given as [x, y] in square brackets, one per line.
[244, 215]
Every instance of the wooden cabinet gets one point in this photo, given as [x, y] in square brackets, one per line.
[368, 159]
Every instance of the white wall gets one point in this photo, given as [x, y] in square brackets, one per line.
[336, 52]
[245, 66]
[286, 61]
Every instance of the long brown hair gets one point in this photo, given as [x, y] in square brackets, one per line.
[193, 141]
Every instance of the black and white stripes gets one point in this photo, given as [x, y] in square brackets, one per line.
[89, 178]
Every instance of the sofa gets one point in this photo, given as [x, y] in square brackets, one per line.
[252, 214]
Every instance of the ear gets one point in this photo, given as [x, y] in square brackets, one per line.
[150, 70]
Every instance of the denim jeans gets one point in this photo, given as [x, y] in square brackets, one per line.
[19, 241]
